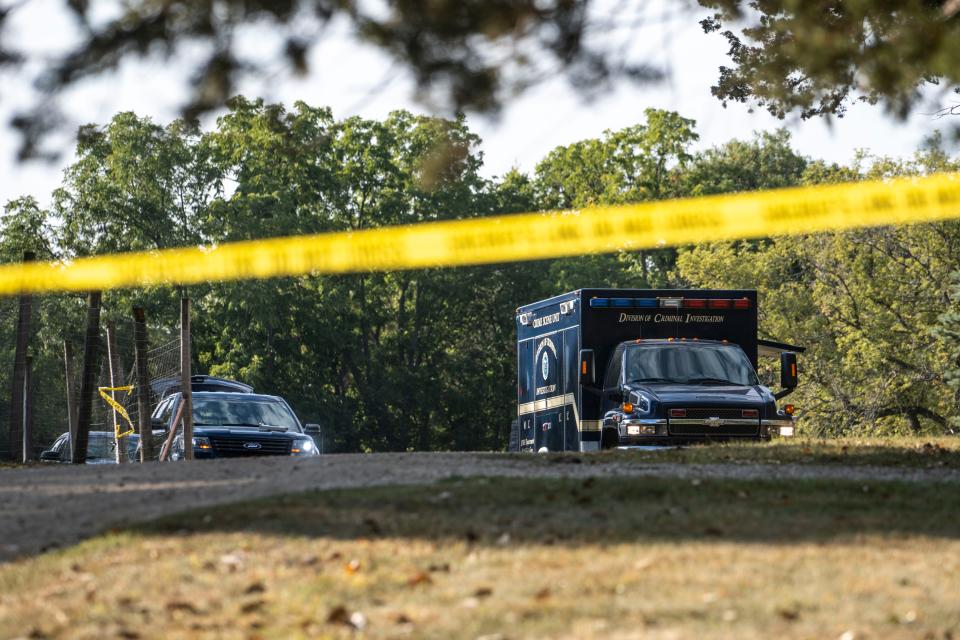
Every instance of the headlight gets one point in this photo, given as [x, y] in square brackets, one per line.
[201, 443]
[641, 403]
[304, 447]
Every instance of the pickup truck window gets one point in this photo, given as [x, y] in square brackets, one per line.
[688, 363]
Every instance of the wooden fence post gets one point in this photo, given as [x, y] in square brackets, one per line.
[27, 410]
[185, 378]
[142, 384]
[71, 392]
[116, 379]
[19, 364]
[88, 381]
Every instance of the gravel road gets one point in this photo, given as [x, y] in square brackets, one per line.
[45, 507]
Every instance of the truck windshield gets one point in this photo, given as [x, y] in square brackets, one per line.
[688, 363]
[236, 412]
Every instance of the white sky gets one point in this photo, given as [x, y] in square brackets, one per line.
[354, 79]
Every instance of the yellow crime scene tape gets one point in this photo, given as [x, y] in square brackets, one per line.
[529, 236]
[118, 408]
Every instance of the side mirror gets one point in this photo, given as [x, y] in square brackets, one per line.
[788, 370]
[312, 430]
[50, 456]
[587, 371]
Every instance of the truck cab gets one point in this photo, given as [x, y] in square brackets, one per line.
[668, 391]
[603, 368]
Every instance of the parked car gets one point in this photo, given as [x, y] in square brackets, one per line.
[165, 387]
[228, 425]
[101, 448]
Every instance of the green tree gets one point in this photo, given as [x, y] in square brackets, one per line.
[814, 58]
[637, 163]
[766, 162]
[865, 303]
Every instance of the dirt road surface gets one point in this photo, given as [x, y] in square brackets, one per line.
[45, 507]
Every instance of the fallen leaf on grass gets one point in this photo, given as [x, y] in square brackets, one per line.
[483, 592]
[232, 561]
[253, 606]
[340, 615]
[419, 578]
[790, 614]
[437, 568]
[256, 587]
[543, 594]
[182, 605]
[352, 567]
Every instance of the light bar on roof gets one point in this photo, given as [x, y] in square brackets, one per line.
[670, 303]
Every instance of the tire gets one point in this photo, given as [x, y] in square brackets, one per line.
[609, 439]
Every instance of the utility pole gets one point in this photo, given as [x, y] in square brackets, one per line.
[71, 392]
[142, 384]
[27, 410]
[185, 378]
[19, 368]
[88, 381]
[116, 377]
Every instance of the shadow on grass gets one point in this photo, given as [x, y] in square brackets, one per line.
[488, 511]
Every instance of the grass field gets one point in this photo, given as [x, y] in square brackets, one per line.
[518, 558]
[911, 452]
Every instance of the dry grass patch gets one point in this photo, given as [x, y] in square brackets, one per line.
[516, 559]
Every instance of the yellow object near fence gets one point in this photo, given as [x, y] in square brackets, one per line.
[529, 236]
[118, 408]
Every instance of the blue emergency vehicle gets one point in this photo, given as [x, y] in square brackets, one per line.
[605, 368]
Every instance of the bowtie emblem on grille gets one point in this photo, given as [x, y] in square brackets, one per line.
[713, 421]
[251, 445]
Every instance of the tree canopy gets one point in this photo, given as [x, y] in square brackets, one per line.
[786, 56]
[815, 58]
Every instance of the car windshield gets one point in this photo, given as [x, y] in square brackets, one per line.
[689, 364]
[237, 412]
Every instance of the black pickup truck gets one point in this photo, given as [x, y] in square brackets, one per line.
[604, 368]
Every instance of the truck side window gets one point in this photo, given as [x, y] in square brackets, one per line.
[612, 379]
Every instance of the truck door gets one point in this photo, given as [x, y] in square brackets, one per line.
[525, 398]
[548, 380]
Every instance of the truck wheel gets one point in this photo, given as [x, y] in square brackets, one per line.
[609, 439]
[513, 445]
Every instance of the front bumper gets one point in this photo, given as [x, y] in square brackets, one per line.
[660, 431]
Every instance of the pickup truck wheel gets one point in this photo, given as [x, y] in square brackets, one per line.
[609, 439]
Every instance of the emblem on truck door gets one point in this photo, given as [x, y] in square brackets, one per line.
[545, 366]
